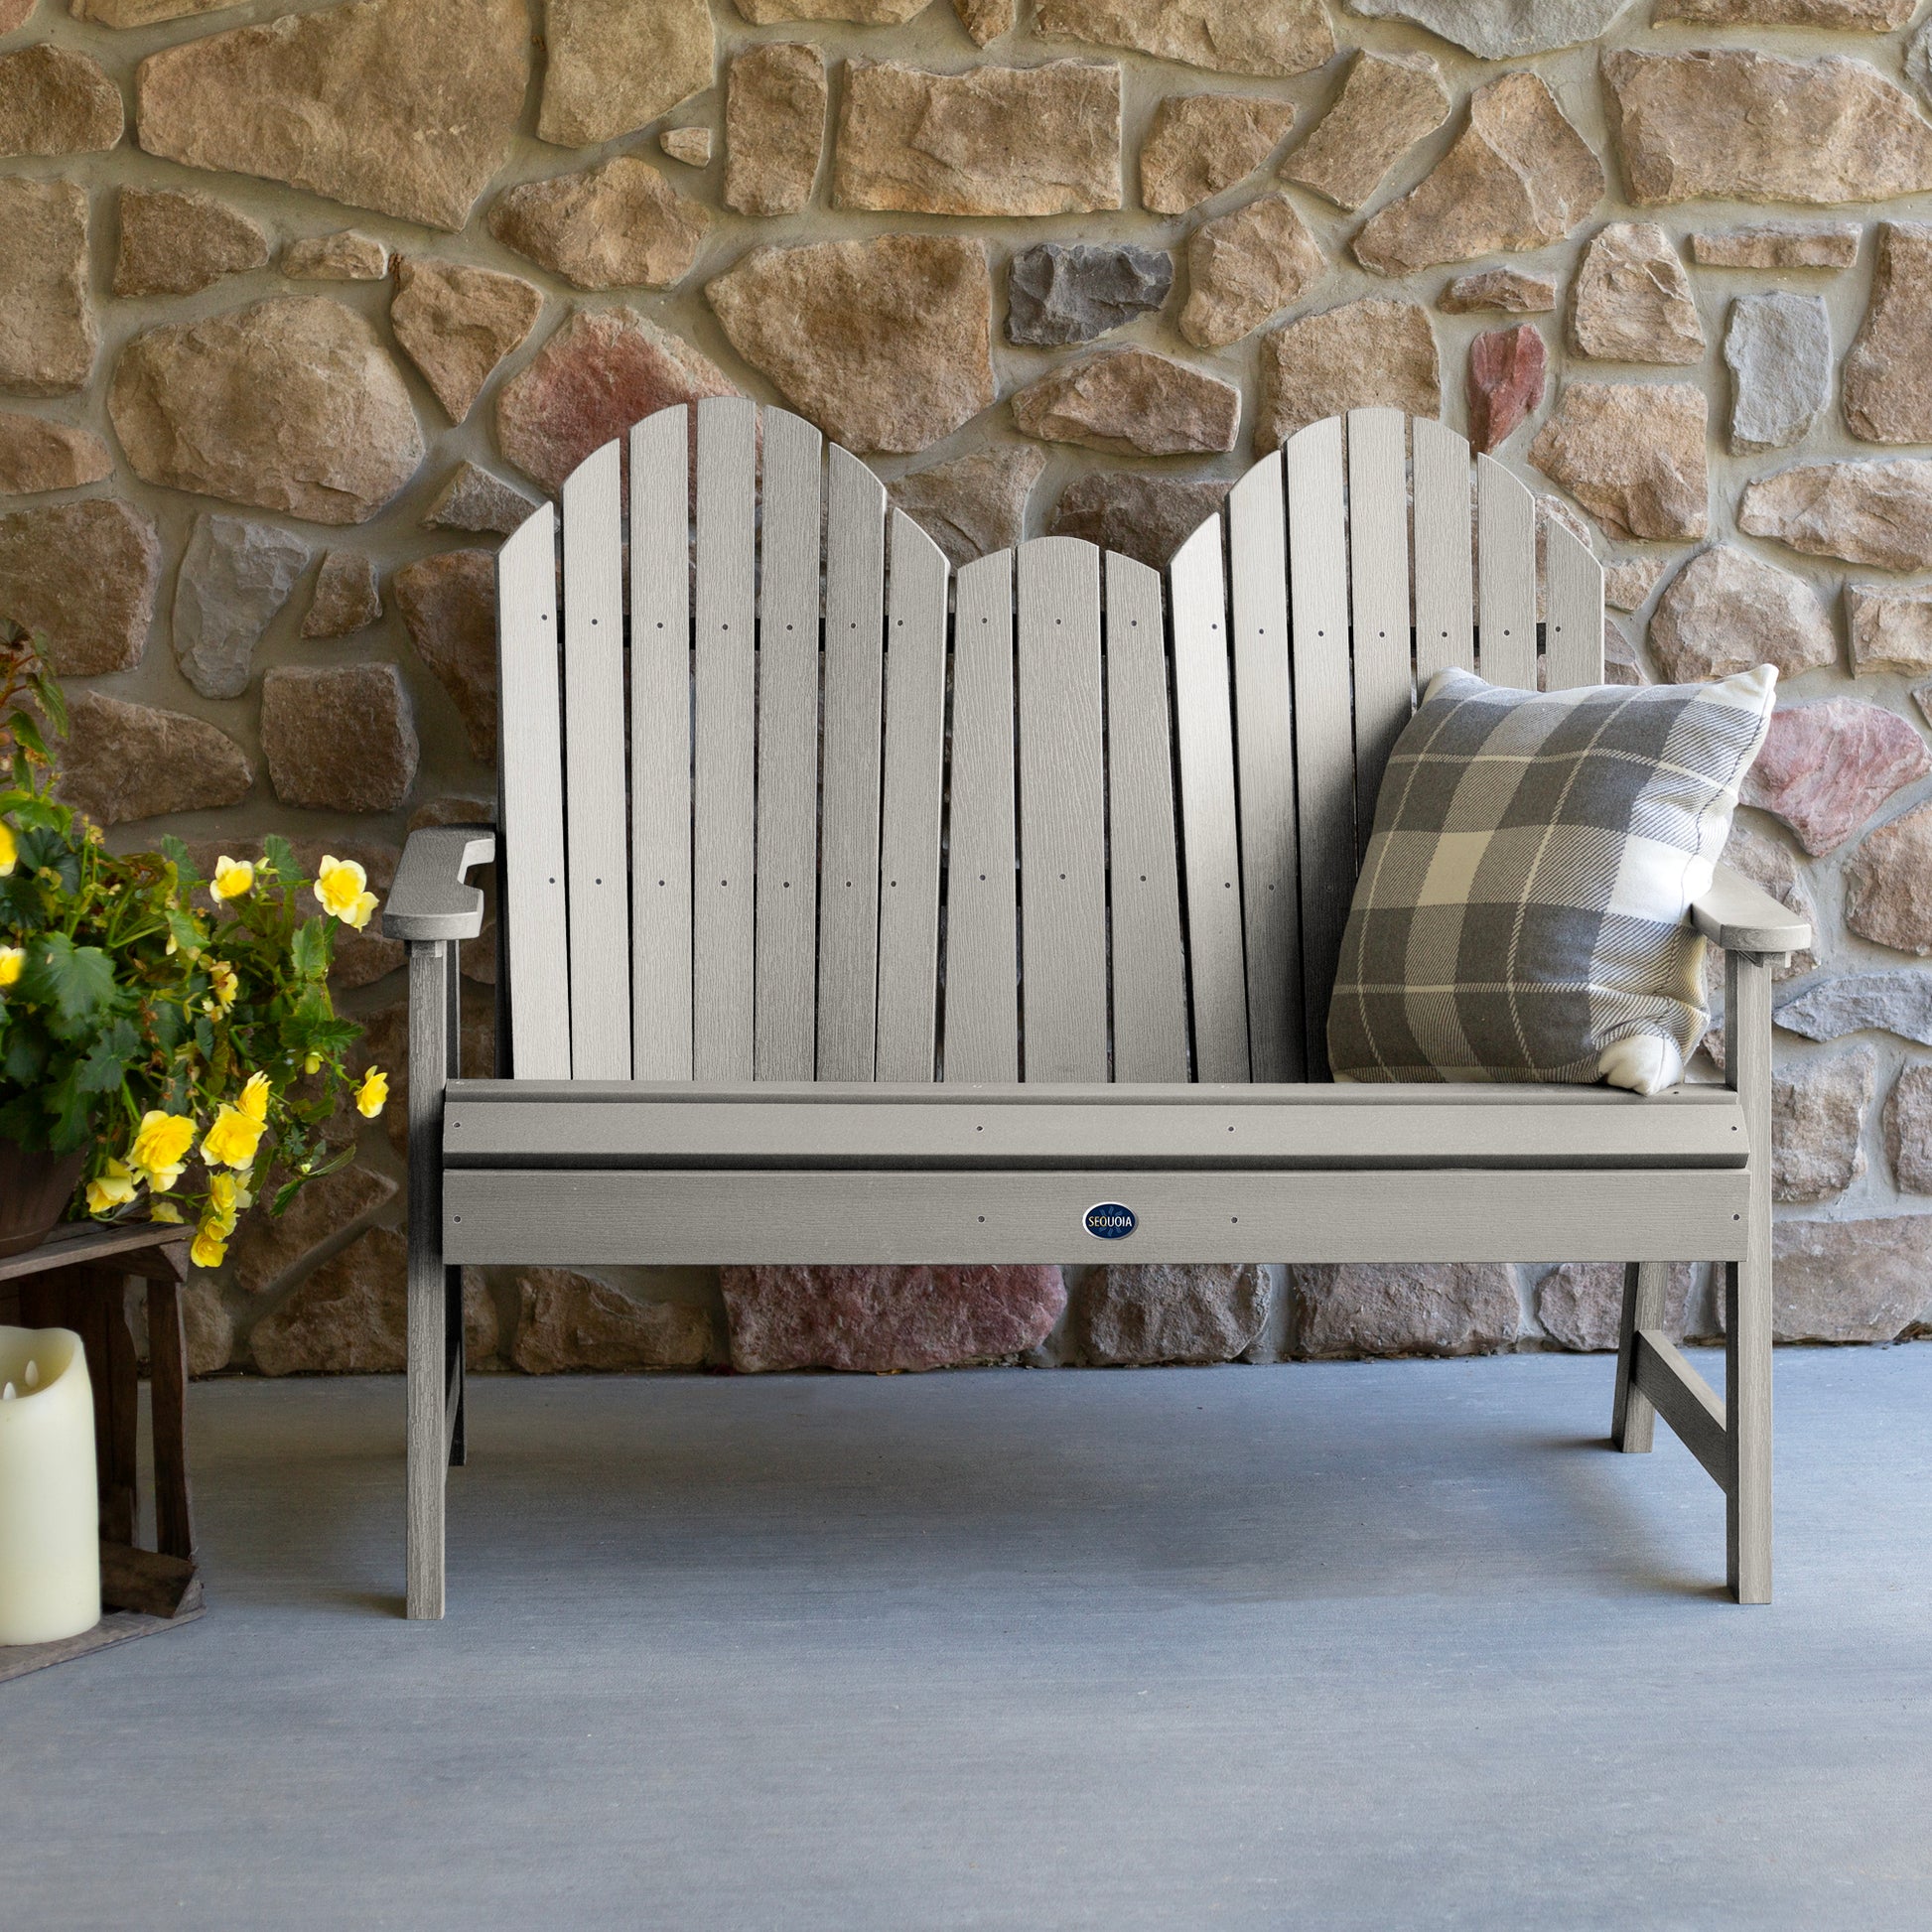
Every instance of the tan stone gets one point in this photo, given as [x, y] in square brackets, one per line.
[457, 325]
[345, 256]
[85, 576]
[1627, 583]
[1277, 37]
[13, 13]
[1386, 106]
[1877, 513]
[1358, 1309]
[1890, 625]
[775, 128]
[1851, 1281]
[600, 372]
[1818, 1110]
[346, 596]
[449, 608]
[142, 13]
[1167, 1312]
[1888, 371]
[987, 19]
[1728, 610]
[405, 106]
[292, 404]
[1133, 402]
[1631, 299]
[125, 761]
[1831, 245]
[173, 241]
[37, 454]
[569, 1322]
[1733, 124]
[1198, 144]
[974, 504]
[1581, 1304]
[1144, 517]
[48, 346]
[1246, 266]
[1375, 350]
[338, 739]
[1888, 884]
[1632, 455]
[690, 145]
[992, 140]
[885, 343]
[1506, 291]
[208, 1327]
[618, 225]
[266, 1246]
[1869, 16]
[1908, 1129]
[1518, 176]
[54, 100]
[473, 499]
[612, 66]
[868, 13]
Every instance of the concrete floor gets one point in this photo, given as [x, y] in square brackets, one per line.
[1326, 1647]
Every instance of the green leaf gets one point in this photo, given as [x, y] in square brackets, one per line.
[105, 1066]
[280, 855]
[53, 701]
[26, 1056]
[27, 733]
[311, 949]
[76, 983]
[290, 1189]
[186, 933]
[176, 852]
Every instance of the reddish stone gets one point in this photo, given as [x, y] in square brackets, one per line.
[882, 1320]
[449, 608]
[1827, 768]
[1506, 371]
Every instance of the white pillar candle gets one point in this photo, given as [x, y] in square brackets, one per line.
[50, 1512]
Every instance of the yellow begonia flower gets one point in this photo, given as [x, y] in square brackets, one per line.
[114, 1187]
[373, 1094]
[159, 1148]
[224, 1202]
[165, 1211]
[232, 878]
[13, 962]
[342, 888]
[222, 988]
[232, 1139]
[211, 1247]
[9, 848]
[313, 1063]
[254, 1098]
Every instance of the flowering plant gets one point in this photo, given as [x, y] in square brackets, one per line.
[177, 1029]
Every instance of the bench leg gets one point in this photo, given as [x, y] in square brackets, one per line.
[1747, 1290]
[430, 974]
[1631, 1415]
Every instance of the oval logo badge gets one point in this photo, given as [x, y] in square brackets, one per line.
[1110, 1220]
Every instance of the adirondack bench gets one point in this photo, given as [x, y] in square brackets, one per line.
[853, 910]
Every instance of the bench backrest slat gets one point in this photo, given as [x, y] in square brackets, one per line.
[1046, 819]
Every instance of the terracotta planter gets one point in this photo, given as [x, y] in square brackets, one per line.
[34, 1192]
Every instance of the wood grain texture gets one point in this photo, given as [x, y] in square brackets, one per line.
[1686, 1401]
[1747, 1286]
[1378, 585]
[1062, 843]
[982, 992]
[723, 828]
[788, 799]
[1646, 1285]
[1573, 647]
[913, 786]
[430, 971]
[1506, 577]
[1204, 742]
[661, 745]
[533, 894]
[1150, 976]
[174, 1523]
[848, 877]
[1444, 586]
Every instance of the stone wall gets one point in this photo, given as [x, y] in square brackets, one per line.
[303, 310]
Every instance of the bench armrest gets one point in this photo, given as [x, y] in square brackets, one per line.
[1742, 918]
[428, 899]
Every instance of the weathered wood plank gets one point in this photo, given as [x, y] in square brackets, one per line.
[430, 970]
[1445, 588]
[1506, 574]
[1686, 1401]
[1573, 611]
[1747, 1286]
[1378, 582]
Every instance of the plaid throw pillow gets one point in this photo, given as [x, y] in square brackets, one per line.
[1520, 913]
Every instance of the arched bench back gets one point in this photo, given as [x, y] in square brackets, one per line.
[785, 798]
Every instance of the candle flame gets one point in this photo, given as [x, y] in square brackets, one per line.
[33, 1375]
[7, 1394]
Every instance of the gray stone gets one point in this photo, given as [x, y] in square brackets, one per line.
[126, 762]
[1509, 291]
[1246, 266]
[1063, 292]
[1518, 176]
[339, 738]
[1409, 1308]
[1822, 244]
[1632, 454]
[994, 140]
[1621, 664]
[290, 404]
[1918, 59]
[266, 1246]
[38, 453]
[974, 504]
[1628, 582]
[85, 576]
[569, 1322]
[1890, 626]
[1580, 1303]
[1922, 697]
[775, 128]
[1825, 768]
[1733, 124]
[868, 13]
[1279, 36]
[612, 66]
[175, 240]
[1133, 402]
[1197, 145]
[449, 608]
[1898, 1002]
[1877, 513]
[405, 106]
[1168, 1313]
[457, 325]
[1818, 1110]
[620, 225]
[1728, 610]
[1375, 350]
[1889, 881]
[1144, 517]
[1388, 102]
[1908, 1129]
[1500, 30]
[345, 596]
[1766, 860]
[235, 573]
[54, 100]
[1851, 1281]
[1779, 348]
[1631, 299]
[48, 346]
[475, 500]
[1887, 381]
[345, 256]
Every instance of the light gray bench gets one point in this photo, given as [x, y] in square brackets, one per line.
[854, 909]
